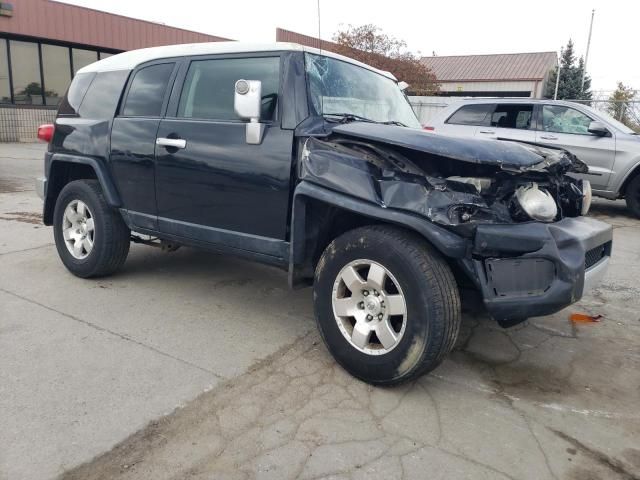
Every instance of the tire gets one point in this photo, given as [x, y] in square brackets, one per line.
[109, 236]
[632, 196]
[423, 334]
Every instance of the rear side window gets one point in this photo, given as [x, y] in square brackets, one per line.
[209, 87]
[102, 97]
[472, 115]
[511, 115]
[76, 93]
[147, 91]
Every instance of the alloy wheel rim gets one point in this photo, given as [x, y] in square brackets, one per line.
[369, 307]
[78, 229]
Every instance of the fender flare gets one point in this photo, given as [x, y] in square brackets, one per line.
[108, 187]
[448, 243]
[628, 176]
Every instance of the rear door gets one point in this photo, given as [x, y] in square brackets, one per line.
[133, 137]
[465, 121]
[567, 127]
[511, 121]
[214, 187]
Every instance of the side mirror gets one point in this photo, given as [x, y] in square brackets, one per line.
[403, 86]
[598, 128]
[247, 102]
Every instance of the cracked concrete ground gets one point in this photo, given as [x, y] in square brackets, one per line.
[544, 400]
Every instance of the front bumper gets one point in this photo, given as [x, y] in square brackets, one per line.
[533, 269]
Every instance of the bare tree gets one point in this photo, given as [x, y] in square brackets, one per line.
[370, 45]
[621, 106]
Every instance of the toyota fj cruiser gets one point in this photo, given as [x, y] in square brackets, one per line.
[316, 163]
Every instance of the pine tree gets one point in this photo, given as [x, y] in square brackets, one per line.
[570, 84]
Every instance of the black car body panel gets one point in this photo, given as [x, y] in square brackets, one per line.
[535, 268]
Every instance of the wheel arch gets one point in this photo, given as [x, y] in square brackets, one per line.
[319, 215]
[63, 168]
[633, 172]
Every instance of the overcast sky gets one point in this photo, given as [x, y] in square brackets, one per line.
[449, 28]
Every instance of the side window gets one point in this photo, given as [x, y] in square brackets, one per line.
[76, 92]
[102, 97]
[509, 115]
[472, 115]
[209, 87]
[560, 119]
[147, 91]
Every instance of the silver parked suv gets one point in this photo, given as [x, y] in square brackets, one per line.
[609, 148]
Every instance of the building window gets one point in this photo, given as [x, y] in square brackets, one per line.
[25, 71]
[82, 58]
[37, 73]
[5, 91]
[57, 72]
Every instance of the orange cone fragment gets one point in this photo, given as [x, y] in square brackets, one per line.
[584, 318]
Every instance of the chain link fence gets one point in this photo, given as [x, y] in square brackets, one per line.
[20, 123]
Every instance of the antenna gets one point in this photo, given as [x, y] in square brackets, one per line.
[320, 50]
[319, 39]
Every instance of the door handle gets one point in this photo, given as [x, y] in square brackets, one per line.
[171, 142]
[487, 131]
[548, 137]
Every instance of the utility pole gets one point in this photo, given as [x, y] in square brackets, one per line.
[586, 55]
[555, 95]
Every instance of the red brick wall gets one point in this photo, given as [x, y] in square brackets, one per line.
[69, 23]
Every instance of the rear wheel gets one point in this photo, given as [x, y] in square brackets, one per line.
[386, 304]
[632, 196]
[91, 237]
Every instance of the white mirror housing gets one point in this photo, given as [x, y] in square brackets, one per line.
[247, 102]
[598, 128]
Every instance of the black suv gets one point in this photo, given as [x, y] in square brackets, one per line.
[315, 163]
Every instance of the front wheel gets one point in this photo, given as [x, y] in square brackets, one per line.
[386, 304]
[91, 237]
[632, 196]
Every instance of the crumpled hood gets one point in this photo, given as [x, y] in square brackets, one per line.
[505, 154]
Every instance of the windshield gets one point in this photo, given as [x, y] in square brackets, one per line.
[609, 119]
[338, 87]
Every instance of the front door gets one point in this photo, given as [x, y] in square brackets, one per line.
[211, 185]
[567, 127]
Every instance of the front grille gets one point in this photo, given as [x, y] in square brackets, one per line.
[594, 255]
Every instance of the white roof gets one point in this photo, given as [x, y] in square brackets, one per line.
[131, 59]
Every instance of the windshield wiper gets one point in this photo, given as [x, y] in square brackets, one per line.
[352, 117]
[394, 122]
[349, 117]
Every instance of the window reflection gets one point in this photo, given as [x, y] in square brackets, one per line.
[208, 90]
[25, 68]
[57, 72]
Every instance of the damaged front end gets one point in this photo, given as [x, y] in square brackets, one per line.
[443, 182]
[528, 242]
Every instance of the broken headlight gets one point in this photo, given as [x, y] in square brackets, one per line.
[587, 196]
[537, 204]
